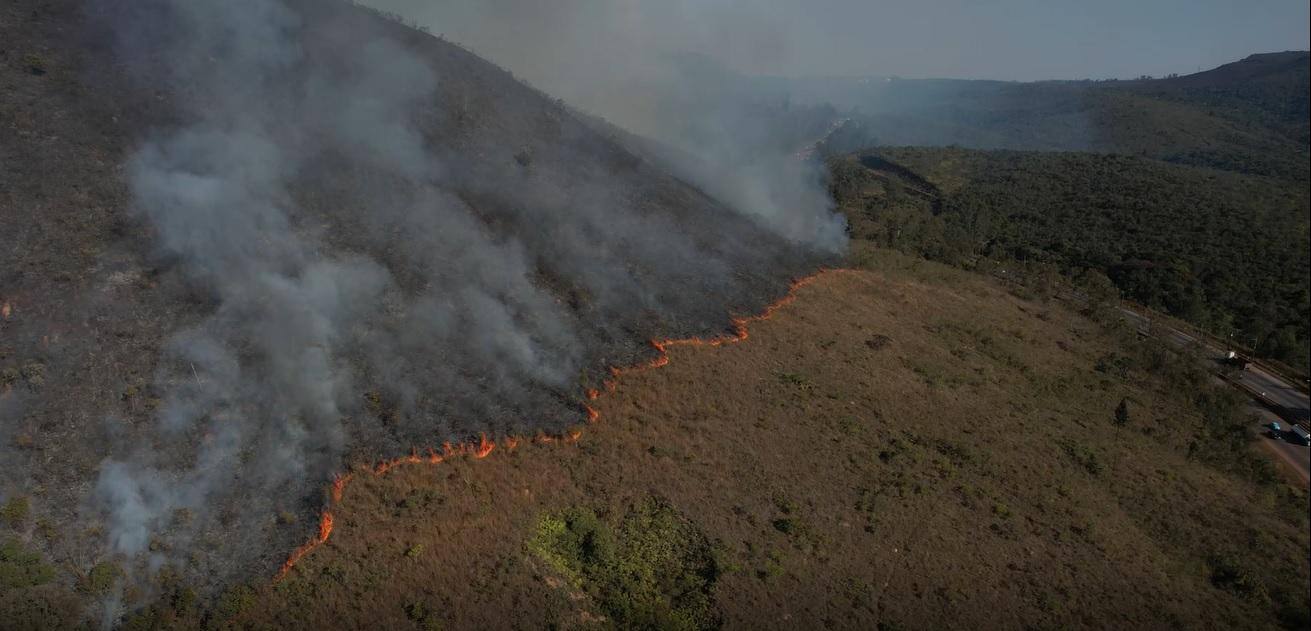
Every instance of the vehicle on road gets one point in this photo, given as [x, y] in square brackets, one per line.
[1239, 361]
[1276, 430]
[1300, 435]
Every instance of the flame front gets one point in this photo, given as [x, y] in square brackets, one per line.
[484, 446]
[325, 531]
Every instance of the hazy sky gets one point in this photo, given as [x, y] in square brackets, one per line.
[999, 39]
[1032, 39]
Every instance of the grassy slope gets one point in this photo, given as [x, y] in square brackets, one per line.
[909, 446]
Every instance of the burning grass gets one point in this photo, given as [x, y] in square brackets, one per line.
[485, 447]
[810, 479]
[835, 486]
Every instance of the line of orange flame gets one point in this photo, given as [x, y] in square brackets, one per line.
[484, 447]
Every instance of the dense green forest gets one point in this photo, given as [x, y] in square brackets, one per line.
[1223, 250]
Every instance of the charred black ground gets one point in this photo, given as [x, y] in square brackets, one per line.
[149, 391]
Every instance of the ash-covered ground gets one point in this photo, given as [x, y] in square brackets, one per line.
[249, 243]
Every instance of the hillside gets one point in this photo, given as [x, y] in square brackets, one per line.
[1224, 251]
[1249, 116]
[903, 447]
[247, 244]
[309, 318]
[1269, 89]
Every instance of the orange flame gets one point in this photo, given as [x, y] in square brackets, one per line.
[339, 485]
[484, 447]
[5, 310]
[325, 531]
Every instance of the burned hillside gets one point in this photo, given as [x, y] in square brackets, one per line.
[249, 243]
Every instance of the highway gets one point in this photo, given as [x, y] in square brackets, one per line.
[1274, 399]
[1296, 456]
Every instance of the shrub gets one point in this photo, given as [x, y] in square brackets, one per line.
[654, 570]
[15, 511]
[786, 505]
[773, 567]
[422, 615]
[1228, 574]
[1083, 456]
[34, 373]
[234, 601]
[102, 577]
[20, 567]
[796, 379]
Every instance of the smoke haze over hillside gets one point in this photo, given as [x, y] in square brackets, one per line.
[381, 243]
[664, 71]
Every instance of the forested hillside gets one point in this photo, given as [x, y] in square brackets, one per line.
[1223, 250]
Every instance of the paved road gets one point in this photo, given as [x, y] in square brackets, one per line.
[1278, 399]
[1295, 456]
[1293, 403]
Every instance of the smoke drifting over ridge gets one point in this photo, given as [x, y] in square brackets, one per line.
[663, 70]
[396, 245]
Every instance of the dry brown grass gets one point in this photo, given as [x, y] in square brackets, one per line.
[926, 436]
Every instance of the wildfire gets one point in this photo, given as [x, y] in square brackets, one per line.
[5, 310]
[339, 485]
[484, 447]
[739, 333]
[325, 531]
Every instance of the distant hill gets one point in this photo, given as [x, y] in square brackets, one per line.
[1286, 70]
[1249, 116]
[1269, 90]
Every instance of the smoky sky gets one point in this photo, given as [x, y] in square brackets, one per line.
[1001, 39]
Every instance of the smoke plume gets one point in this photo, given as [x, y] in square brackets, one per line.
[393, 244]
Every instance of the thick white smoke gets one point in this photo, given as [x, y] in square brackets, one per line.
[386, 256]
[265, 379]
